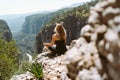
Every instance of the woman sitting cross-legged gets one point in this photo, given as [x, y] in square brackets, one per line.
[58, 39]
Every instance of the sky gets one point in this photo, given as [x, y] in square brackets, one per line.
[26, 6]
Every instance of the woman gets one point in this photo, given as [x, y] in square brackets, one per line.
[59, 39]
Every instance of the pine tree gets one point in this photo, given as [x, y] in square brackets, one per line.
[8, 59]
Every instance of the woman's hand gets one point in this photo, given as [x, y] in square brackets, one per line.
[46, 44]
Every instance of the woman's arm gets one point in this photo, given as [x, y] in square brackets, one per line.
[52, 42]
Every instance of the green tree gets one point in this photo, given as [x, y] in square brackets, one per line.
[8, 59]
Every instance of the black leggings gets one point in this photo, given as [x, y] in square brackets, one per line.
[54, 51]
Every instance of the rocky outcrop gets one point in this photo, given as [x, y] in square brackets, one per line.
[104, 30]
[71, 24]
[81, 62]
[26, 76]
[5, 32]
[53, 68]
[84, 62]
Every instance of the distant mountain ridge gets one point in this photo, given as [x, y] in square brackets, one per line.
[34, 22]
[15, 21]
[5, 32]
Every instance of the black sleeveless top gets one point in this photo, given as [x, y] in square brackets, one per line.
[60, 46]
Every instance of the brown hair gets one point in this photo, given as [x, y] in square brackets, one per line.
[59, 29]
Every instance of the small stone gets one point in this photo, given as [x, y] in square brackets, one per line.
[110, 58]
[111, 36]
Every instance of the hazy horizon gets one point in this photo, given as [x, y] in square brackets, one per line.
[27, 6]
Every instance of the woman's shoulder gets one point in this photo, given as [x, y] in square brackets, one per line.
[57, 35]
[54, 36]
